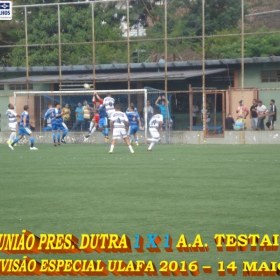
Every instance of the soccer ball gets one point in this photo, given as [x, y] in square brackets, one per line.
[87, 86]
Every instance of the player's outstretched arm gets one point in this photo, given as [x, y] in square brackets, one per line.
[156, 103]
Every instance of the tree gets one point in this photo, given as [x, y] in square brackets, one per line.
[254, 45]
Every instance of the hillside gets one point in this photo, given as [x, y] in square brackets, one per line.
[270, 20]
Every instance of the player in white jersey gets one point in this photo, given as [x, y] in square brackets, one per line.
[119, 124]
[12, 115]
[155, 124]
[109, 103]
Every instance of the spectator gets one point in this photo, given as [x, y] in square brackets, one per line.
[261, 110]
[66, 114]
[239, 123]
[207, 113]
[254, 114]
[229, 122]
[164, 111]
[195, 110]
[86, 112]
[242, 111]
[271, 115]
[79, 118]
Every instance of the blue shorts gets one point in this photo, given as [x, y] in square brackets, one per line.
[24, 131]
[47, 128]
[133, 129]
[59, 126]
[103, 122]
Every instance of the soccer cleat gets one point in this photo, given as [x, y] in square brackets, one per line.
[9, 142]
[11, 147]
[149, 150]
[33, 149]
[58, 144]
[106, 139]
[63, 141]
[132, 152]
[136, 143]
[110, 152]
[87, 136]
[55, 144]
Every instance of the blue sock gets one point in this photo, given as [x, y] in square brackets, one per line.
[54, 137]
[58, 137]
[31, 141]
[64, 133]
[15, 141]
[105, 131]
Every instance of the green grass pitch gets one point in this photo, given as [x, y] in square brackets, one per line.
[205, 189]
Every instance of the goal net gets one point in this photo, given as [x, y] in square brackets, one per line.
[39, 101]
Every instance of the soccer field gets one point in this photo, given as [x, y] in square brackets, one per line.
[174, 190]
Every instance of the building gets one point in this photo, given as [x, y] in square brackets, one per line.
[261, 75]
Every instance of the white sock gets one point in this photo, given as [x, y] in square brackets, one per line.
[112, 148]
[130, 148]
[151, 145]
[91, 126]
[12, 136]
[92, 130]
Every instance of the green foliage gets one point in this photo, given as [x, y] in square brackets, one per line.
[184, 18]
[254, 45]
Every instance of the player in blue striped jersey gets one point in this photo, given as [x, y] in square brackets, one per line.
[60, 125]
[50, 115]
[24, 129]
[55, 115]
[134, 124]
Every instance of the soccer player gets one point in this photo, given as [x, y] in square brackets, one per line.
[24, 129]
[59, 124]
[12, 115]
[119, 125]
[101, 110]
[49, 118]
[155, 124]
[134, 124]
[94, 123]
[109, 103]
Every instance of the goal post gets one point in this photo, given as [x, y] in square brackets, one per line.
[38, 102]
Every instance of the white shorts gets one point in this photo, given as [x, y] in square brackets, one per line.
[154, 133]
[119, 132]
[109, 113]
[13, 126]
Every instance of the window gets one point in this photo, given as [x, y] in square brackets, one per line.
[270, 76]
[19, 87]
[1, 87]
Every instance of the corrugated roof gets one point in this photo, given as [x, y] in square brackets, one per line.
[144, 65]
[112, 77]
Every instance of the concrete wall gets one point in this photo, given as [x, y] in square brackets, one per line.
[176, 138]
[253, 79]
